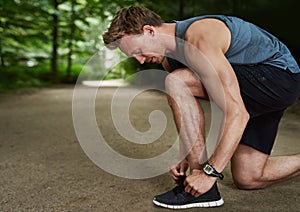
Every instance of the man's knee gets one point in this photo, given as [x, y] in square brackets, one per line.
[244, 184]
[174, 79]
[171, 84]
[247, 167]
[176, 86]
[248, 181]
[184, 82]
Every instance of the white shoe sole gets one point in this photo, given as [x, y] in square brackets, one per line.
[191, 205]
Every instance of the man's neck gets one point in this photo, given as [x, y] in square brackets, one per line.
[167, 30]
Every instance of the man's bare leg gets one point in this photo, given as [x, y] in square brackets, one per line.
[252, 169]
[188, 114]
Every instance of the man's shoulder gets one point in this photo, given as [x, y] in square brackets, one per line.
[207, 28]
[209, 32]
[209, 16]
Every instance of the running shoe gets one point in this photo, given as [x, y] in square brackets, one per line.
[177, 198]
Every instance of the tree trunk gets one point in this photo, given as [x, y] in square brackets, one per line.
[2, 64]
[70, 44]
[54, 69]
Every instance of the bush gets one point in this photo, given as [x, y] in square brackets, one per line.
[15, 77]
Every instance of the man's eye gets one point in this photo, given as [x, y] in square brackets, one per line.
[138, 52]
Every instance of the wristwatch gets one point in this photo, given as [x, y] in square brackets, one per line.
[210, 171]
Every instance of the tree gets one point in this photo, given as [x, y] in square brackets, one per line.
[55, 21]
[56, 36]
[70, 42]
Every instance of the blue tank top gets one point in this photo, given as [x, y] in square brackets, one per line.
[249, 44]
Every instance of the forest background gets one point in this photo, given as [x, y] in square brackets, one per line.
[48, 42]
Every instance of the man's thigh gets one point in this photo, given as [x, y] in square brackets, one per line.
[261, 131]
[255, 147]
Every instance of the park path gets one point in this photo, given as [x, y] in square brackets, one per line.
[43, 168]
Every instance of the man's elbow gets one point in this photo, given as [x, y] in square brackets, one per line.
[244, 115]
[240, 114]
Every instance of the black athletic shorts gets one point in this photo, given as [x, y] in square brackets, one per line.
[266, 91]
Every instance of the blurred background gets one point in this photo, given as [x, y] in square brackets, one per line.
[47, 42]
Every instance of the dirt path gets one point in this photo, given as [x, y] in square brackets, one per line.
[43, 168]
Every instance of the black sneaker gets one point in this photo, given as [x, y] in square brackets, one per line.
[177, 198]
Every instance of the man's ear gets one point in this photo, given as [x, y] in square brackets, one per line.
[148, 29]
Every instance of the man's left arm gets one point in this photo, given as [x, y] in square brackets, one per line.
[207, 59]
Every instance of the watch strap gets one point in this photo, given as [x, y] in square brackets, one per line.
[209, 170]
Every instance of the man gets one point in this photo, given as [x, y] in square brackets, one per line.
[247, 72]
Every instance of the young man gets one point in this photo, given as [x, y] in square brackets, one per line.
[247, 72]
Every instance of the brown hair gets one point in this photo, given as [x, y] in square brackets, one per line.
[129, 21]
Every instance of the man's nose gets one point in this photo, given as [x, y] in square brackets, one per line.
[141, 59]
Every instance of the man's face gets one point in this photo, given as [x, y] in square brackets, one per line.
[144, 48]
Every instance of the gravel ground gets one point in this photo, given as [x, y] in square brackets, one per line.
[44, 168]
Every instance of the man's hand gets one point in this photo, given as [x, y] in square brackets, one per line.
[198, 183]
[178, 171]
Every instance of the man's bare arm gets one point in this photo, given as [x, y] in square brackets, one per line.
[207, 42]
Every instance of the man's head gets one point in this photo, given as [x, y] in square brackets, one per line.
[132, 30]
[130, 21]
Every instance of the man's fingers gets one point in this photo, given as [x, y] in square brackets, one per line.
[187, 186]
[188, 189]
[182, 170]
[197, 194]
[178, 172]
[175, 178]
[174, 173]
[193, 192]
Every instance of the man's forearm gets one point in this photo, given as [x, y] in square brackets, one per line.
[233, 127]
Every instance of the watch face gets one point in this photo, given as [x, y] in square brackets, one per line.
[208, 169]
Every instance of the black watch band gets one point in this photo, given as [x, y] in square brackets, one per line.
[210, 171]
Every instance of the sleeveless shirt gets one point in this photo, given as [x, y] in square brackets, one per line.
[249, 45]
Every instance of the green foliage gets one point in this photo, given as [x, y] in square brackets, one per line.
[26, 32]
[15, 77]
